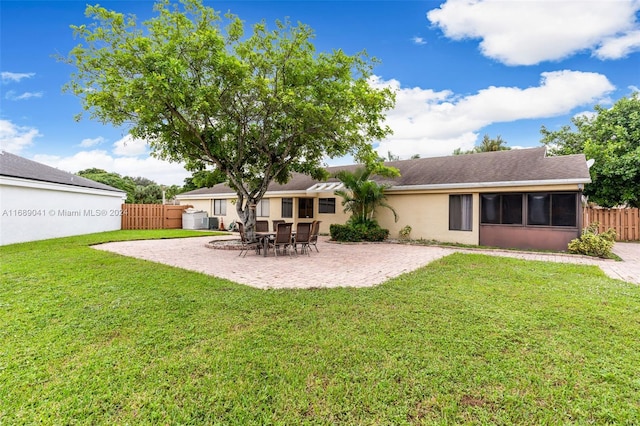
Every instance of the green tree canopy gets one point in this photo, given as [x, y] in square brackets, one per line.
[487, 145]
[257, 107]
[139, 189]
[203, 179]
[611, 137]
[112, 179]
[148, 194]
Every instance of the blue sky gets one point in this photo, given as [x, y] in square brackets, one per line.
[461, 69]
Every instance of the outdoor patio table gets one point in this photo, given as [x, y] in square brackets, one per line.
[265, 237]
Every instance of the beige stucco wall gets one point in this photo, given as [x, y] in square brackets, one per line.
[428, 216]
[426, 211]
[275, 208]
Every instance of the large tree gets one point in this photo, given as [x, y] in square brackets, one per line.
[611, 137]
[257, 107]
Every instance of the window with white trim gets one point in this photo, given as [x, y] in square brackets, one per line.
[220, 207]
[262, 208]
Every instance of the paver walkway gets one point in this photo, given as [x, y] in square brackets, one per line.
[336, 265]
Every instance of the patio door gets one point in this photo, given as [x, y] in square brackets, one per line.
[305, 208]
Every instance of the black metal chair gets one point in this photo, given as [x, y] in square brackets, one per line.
[282, 239]
[262, 226]
[313, 240]
[302, 237]
[246, 244]
[275, 224]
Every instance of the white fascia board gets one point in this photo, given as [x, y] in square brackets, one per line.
[51, 186]
[479, 185]
[285, 193]
[227, 195]
[206, 196]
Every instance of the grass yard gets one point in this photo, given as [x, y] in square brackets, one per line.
[91, 337]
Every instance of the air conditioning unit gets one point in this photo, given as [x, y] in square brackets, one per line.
[212, 223]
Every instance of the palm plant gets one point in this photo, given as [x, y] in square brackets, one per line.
[487, 145]
[361, 195]
[490, 145]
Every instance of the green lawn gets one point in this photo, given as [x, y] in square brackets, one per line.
[91, 337]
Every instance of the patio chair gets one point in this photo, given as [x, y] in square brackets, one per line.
[313, 240]
[282, 239]
[246, 244]
[275, 224]
[302, 237]
[262, 226]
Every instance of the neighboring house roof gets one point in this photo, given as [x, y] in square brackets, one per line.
[516, 167]
[12, 165]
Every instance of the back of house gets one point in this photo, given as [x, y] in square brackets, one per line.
[512, 199]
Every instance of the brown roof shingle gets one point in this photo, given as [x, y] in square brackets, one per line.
[516, 165]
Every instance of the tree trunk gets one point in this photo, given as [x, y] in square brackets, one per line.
[247, 215]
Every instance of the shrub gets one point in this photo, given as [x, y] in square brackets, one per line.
[343, 233]
[353, 232]
[405, 232]
[375, 234]
[591, 243]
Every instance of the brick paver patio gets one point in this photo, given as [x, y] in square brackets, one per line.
[336, 265]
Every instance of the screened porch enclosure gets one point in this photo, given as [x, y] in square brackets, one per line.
[536, 220]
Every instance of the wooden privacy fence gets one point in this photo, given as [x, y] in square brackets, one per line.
[626, 222]
[152, 216]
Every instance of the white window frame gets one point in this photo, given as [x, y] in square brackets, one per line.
[262, 208]
[219, 207]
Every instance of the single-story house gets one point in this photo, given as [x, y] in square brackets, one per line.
[38, 202]
[519, 198]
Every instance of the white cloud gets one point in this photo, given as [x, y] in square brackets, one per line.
[88, 142]
[586, 114]
[15, 76]
[13, 96]
[419, 40]
[527, 33]
[615, 48]
[15, 138]
[130, 147]
[129, 157]
[161, 172]
[435, 123]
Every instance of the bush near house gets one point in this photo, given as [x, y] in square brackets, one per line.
[352, 232]
[591, 243]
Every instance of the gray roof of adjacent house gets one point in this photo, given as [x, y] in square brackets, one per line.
[12, 165]
[502, 168]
